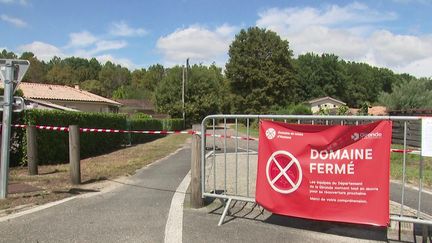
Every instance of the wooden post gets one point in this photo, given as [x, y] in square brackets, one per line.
[32, 153]
[74, 154]
[196, 199]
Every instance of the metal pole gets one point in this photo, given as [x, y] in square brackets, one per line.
[6, 129]
[183, 97]
[403, 168]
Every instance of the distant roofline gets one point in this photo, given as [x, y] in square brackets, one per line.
[324, 98]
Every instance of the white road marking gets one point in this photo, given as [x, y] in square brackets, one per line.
[174, 225]
[35, 209]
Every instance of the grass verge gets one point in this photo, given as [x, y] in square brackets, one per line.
[54, 180]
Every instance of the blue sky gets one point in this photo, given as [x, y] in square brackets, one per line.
[387, 33]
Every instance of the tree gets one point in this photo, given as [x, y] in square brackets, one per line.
[414, 94]
[321, 75]
[206, 93]
[92, 86]
[260, 71]
[169, 93]
[7, 55]
[153, 77]
[112, 77]
[60, 74]
[37, 70]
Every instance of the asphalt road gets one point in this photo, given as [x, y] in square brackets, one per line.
[134, 212]
[411, 197]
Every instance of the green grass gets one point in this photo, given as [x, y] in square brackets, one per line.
[253, 132]
[411, 169]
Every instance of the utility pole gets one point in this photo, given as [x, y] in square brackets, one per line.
[183, 97]
[184, 79]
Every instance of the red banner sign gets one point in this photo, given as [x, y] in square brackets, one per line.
[335, 173]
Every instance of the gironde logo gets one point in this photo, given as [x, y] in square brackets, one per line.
[373, 135]
[270, 133]
[355, 136]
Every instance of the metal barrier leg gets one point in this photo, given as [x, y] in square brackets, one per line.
[400, 230]
[425, 233]
[227, 205]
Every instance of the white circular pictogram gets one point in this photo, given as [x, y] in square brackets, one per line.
[270, 133]
[280, 166]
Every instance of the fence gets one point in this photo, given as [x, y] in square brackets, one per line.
[228, 166]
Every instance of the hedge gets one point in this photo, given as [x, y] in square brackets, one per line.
[53, 145]
[152, 124]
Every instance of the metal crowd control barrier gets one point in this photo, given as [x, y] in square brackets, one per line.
[228, 166]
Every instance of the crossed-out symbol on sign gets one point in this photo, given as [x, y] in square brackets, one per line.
[277, 158]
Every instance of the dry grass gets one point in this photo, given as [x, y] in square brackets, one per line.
[54, 180]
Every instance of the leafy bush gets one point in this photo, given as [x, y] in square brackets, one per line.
[415, 94]
[152, 125]
[140, 115]
[293, 109]
[53, 145]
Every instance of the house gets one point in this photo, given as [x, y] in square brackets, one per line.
[61, 97]
[324, 103]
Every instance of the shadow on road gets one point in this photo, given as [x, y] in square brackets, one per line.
[75, 191]
[343, 229]
[250, 211]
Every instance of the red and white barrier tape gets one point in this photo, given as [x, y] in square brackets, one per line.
[66, 129]
[101, 130]
[408, 151]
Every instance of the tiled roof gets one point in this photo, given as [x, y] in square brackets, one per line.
[377, 111]
[61, 92]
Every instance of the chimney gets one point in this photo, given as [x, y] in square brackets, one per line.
[77, 86]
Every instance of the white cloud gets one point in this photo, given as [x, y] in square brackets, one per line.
[290, 20]
[43, 51]
[46, 52]
[122, 61]
[350, 32]
[123, 29]
[198, 43]
[105, 45]
[86, 44]
[418, 67]
[399, 50]
[413, 1]
[13, 20]
[81, 39]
